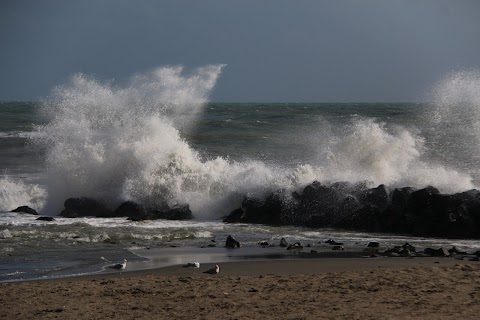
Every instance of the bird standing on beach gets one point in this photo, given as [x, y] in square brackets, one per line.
[119, 266]
[214, 270]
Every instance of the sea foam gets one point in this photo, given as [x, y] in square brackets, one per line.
[119, 143]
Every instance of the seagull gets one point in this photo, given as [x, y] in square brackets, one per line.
[194, 265]
[119, 266]
[213, 270]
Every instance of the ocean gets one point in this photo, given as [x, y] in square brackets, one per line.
[157, 138]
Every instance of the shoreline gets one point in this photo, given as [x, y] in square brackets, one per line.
[277, 267]
[360, 288]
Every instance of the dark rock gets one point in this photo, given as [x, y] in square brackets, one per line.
[365, 219]
[232, 243]
[409, 247]
[26, 209]
[421, 199]
[377, 197]
[277, 209]
[476, 253]
[84, 207]
[295, 246]
[45, 219]
[338, 248]
[424, 212]
[283, 243]
[334, 243]
[263, 243]
[373, 244]
[441, 252]
[454, 250]
[234, 217]
[178, 212]
[394, 252]
[319, 205]
[406, 253]
[132, 210]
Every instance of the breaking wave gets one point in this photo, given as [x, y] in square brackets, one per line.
[127, 142]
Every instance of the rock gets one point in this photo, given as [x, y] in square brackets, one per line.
[263, 243]
[476, 253]
[178, 212]
[84, 207]
[45, 219]
[334, 243]
[424, 212]
[338, 248]
[441, 252]
[277, 209]
[25, 209]
[319, 204]
[454, 250]
[377, 197]
[283, 243]
[406, 253]
[373, 244]
[232, 243]
[132, 210]
[420, 199]
[409, 247]
[234, 217]
[295, 246]
[363, 219]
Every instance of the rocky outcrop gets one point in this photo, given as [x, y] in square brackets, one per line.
[178, 212]
[424, 212]
[45, 219]
[131, 210]
[85, 207]
[231, 243]
[25, 209]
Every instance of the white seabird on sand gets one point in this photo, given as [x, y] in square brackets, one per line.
[214, 270]
[194, 265]
[119, 266]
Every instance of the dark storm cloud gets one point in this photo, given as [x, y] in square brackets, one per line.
[274, 50]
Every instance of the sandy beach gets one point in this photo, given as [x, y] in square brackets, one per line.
[328, 288]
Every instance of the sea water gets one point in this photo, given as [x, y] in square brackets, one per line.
[157, 138]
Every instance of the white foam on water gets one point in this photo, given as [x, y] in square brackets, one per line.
[15, 193]
[125, 142]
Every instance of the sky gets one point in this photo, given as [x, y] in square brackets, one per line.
[274, 50]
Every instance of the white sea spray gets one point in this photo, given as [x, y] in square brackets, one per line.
[127, 142]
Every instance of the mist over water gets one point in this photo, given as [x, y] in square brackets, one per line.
[454, 122]
[129, 142]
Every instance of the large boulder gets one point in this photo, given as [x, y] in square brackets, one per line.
[85, 207]
[277, 209]
[377, 197]
[132, 210]
[231, 243]
[234, 217]
[25, 209]
[177, 212]
[364, 219]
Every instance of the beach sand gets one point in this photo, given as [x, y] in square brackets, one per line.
[328, 288]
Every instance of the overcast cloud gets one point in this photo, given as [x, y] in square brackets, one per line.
[285, 51]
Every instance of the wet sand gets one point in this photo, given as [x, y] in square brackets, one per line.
[328, 288]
